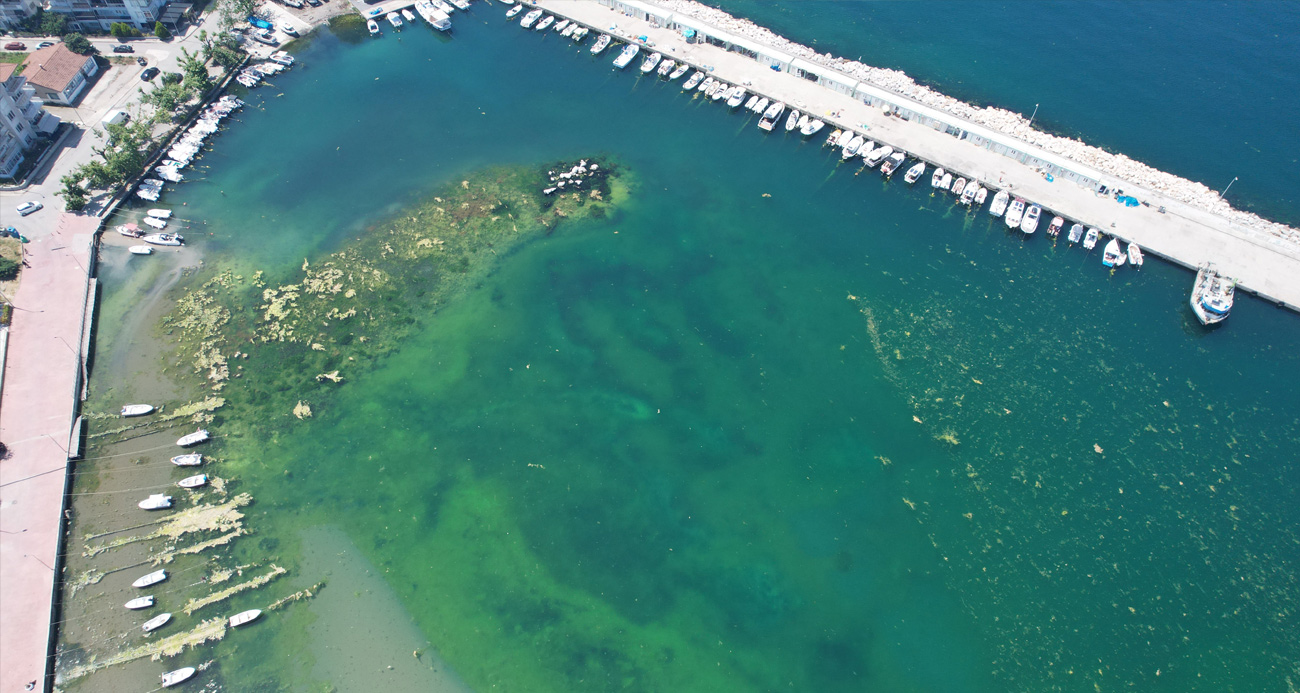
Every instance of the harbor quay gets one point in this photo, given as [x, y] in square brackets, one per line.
[1262, 263]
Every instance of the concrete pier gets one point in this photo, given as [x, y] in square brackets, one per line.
[1263, 263]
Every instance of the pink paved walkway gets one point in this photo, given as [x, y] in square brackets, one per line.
[35, 420]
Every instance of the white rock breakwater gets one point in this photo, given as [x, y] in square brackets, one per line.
[1118, 165]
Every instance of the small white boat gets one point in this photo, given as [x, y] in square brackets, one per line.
[546, 23]
[130, 231]
[153, 578]
[720, 91]
[514, 11]
[945, 182]
[562, 26]
[1135, 255]
[878, 155]
[156, 223]
[803, 122]
[737, 97]
[243, 617]
[199, 436]
[156, 501]
[891, 164]
[914, 173]
[850, 149]
[137, 409]
[193, 481]
[600, 44]
[959, 186]
[1054, 228]
[694, 81]
[1090, 240]
[1000, 201]
[1015, 214]
[770, 116]
[164, 239]
[580, 33]
[1029, 223]
[172, 678]
[792, 121]
[626, 56]
[936, 178]
[968, 195]
[812, 128]
[461, 5]
[567, 31]
[677, 74]
[651, 62]
[193, 459]
[1076, 232]
[408, 15]
[665, 67]
[156, 622]
[530, 19]
[1112, 256]
[140, 603]
[833, 139]
[753, 99]
[761, 105]
[373, 26]
[395, 19]
[981, 195]
[1212, 295]
[867, 148]
[160, 213]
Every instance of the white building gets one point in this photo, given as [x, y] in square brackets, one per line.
[23, 119]
[58, 75]
[95, 16]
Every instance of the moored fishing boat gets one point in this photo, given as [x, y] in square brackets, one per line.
[850, 148]
[1212, 295]
[395, 19]
[721, 91]
[651, 62]
[1000, 202]
[164, 239]
[130, 230]
[199, 436]
[1029, 223]
[156, 501]
[600, 44]
[694, 81]
[968, 195]
[156, 622]
[1090, 239]
[195, 481]
[681, 70]
[666, 66]
[706, 85]
[1054, 228]
[514, 11]
[946, 182]
[1111, 255]
[159, 224]
[1015, 213]
[892, 163]
[811, 128]
[137, 409]
[792, 122]
[435, 17]
[917, 170]
[373, 27]
[243, 617]
[531, 18]
[153, 578]
[546, 23]
[1135, 255]
[878, 155]
[562, 26]
[140, 250]
[579, 34]
[770, 116]
[192, 459]
[1076, 232]
[936, 178]
[958, 187]
[760, 105]
[172, 678]
[408, 15]
[980, 195]
[737, 97]
[833, 139]
[626, 56]
[160, 213]
[140, 603]
[461, 5]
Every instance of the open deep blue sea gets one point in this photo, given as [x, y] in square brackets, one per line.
[775, 423]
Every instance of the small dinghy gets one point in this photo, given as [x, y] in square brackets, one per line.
[761, 105]
[408, 15]
[199, 436]
[792, 121]
[562, 26]
[159, 224]
[140, 250]
[153, 578]
[160, 213]
[1054, 228]
[172, 678]
[914, 173]
[1090, 240]
[681, 70]
[156, 501]
[1076, 232]
[137, 409]
[936, 178]
[1135, 255]
[999, 205]
[193, 459]
[753, 99]
[1112, 256]
[193, 481]
[140, 603]
[156, 622]
[981, 195]
[243, 617]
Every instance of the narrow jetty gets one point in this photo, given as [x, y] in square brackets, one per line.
[1264, 262]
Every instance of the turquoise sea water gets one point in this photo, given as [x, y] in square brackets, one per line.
[773, 425]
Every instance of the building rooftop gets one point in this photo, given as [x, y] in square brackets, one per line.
[7, 70]
[52, 67]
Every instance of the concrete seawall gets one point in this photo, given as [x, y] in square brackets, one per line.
[1265, 264]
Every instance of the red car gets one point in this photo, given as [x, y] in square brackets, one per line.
[15, 46]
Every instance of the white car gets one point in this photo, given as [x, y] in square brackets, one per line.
[28, 207]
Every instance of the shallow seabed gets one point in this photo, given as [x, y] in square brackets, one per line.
[772, 425]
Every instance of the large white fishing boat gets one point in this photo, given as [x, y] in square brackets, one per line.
[811, 128]
[651, 62]
[395, 19]
[626, 56]
[1015, 213]
[1000, 201]
[665, 67]
[936, 178]
[877, 155]
[530, 19]
[851, 148]
[600, 44]
[968, 195]
[770, 116]
[737, 97]
[1212, 295]
[892, 163]
[1111, 255]
[1030, 223]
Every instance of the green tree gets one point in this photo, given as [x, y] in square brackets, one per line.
[195, 71]
[74, 195]
[78, 44]
[54, 24]
[221, 49]
[172, 78]
[161, 31]
[8, 268]
[168, 98]
[123, 30]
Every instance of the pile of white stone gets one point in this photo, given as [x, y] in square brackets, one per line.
[1117, 165]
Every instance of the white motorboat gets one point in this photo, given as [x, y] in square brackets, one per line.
[706, 86]
[137, 409]
[140, 603]
[917, 170]
[562, 26]
[1015, 213]
[721, 91]
[172, 678]
[280, 57]
[677, 74]
[546, 23]
[160, 213]
[665, 67]
[199, 436]
[811, 128]
[936, 178]
[164, 239]
[878, 155]
[651, 62]
[192, 459]
[461, 5]
[395, 19]
[130, 231]
[156, 622]
[1090, 239]
[579, 34]
[851, 148]
[530, 19]
[600, 44]
[140, 250]
[981, 195]
[694, 81]
[1054, 228]
[373, 26]
[866, 149]
[243, 617]
[1029, 223]
[156, 501]
[770, 116]
[968, 195]
[761, 105]
[891, 164]
[753, 99]
[833, 139]
[1135, 255]
[844, 137]
[792, 121]
[408, 15]
[567, 31]
[1000, 202]
[435, 17]
[1076, 232]
[195, 481]
[1212, 295]
[803, 122]
[156, 223]
[737, 97]
[514, 11]
[946, 182]
[1112, 256]
[626, 56]
[153, 578]
[959, 186]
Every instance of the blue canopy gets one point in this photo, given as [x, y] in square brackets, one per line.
[1128, 201]
[259, 23]
[688, 33]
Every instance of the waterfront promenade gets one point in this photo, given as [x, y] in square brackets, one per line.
[42, 372]
[1263, 263]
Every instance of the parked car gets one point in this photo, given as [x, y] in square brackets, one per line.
[45, 44]
[28, 207]
[149, 73]
[141, 62]
[15, 46]
[314, 3]
[123, 49]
